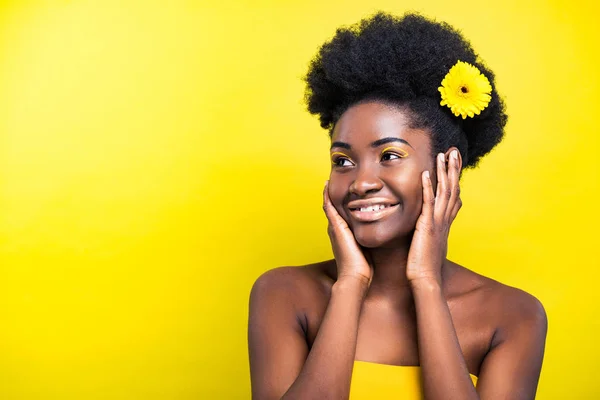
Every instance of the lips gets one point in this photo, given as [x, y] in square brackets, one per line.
[371, 210]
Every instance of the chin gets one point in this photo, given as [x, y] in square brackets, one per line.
[371, 238]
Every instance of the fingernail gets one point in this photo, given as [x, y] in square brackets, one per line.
[427, 174]
[441, 157]
[454, 154]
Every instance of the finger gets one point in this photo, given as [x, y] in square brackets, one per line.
[428, 197]
[327, 206]
[453, 177]
[334, 218]
[443, 189]
[325, 195]
[455, 209]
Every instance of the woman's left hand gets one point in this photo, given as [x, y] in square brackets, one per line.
[430, 241]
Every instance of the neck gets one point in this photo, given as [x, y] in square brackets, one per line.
[389, 271]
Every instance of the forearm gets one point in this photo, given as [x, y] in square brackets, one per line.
[445, 373]
[327, 371]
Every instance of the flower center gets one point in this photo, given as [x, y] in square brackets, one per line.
[464, 89]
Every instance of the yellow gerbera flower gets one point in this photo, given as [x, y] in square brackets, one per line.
[465, 90]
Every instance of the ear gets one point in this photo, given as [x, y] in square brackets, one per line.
[447, 155]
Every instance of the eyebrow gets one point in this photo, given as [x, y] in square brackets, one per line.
[376, 143]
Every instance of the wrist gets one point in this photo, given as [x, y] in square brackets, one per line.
[352, 283]
[426, 284]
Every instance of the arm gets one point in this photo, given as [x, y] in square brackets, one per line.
[511, 368]
[280, 363]
[445, 373]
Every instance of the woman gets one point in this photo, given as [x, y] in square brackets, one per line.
[409, 105]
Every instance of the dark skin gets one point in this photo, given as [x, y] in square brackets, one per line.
[391, 296]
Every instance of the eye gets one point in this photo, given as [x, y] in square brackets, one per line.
[389, 155]
[341, 162]
[339, 159]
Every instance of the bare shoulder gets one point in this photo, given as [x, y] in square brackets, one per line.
[280, 322]
[508, 305]
[296, 283]
[518, 312]
[503, 330]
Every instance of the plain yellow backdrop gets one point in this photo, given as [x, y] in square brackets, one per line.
[156, 157]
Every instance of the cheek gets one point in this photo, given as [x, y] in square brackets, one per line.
[408, 186]
[337, 192]
[411, 198]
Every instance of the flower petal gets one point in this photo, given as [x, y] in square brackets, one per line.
[465, 90]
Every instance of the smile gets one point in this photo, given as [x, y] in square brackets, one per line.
[373, 212]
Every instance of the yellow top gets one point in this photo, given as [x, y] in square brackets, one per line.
[382, 381]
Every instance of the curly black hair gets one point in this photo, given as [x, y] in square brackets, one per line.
[402, 61]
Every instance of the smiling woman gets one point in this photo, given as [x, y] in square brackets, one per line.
[409, 105]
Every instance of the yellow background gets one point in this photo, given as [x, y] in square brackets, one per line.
[156, 157]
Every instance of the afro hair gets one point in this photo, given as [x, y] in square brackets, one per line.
[402, 61]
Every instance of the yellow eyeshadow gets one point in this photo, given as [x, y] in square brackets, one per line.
[338, 153]
[401, 152]
[341, 154]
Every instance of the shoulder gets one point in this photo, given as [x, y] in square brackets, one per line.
[520, 313]
[295, 282]
[282, 301]
[510, 308]
[292, 296]
[514, 306]
[511, 325]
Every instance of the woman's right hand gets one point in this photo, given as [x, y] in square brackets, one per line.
[350, 259]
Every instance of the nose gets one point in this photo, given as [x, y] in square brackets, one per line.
[367, 181]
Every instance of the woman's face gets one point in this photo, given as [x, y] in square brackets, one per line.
[375, 182]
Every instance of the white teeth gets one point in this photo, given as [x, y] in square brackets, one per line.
[376, 207]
